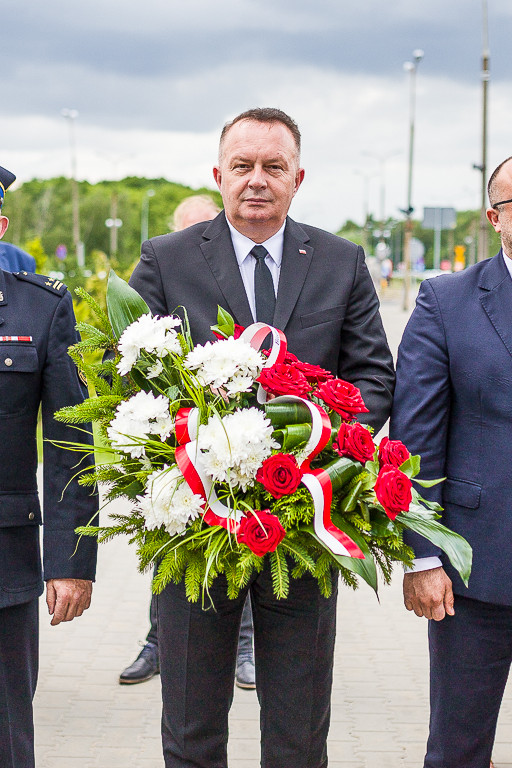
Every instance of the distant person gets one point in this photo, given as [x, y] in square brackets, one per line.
[37, 327]
[13, 259]
[193, 210]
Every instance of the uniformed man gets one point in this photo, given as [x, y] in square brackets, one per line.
[37, 326]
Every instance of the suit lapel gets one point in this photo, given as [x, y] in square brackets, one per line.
[294, 268]
[220, 255]
[496, 298]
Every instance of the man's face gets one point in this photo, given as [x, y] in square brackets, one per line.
[258, 175]
[4, 221]
[501, 217]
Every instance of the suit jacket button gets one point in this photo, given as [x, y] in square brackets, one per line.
[8, 361]
[31, 516]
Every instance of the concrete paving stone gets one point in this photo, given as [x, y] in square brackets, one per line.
[76, 746]
[366, 722]
[244, 748]
[378, 741]
[151, 746]
[115, 757]
[348, 751]
[400, 714]
[343, 731]
[132, 718]
[383, 760]
[55, 761]
[371, 705]
[149, 763]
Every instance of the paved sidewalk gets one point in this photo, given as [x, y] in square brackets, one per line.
[85, 719]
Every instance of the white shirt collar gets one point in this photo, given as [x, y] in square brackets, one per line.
[244, 245]
[508, 261]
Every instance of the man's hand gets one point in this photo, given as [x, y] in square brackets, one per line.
[67, 598]
[429, 593]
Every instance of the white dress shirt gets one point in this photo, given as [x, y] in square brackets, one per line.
[246, 263]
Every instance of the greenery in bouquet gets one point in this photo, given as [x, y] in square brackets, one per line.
[227, 455]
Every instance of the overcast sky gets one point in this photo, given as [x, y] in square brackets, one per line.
[154, 81]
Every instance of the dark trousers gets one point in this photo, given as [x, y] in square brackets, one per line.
[245, 644]
[294, 648]
[470, 657]
[18, 677]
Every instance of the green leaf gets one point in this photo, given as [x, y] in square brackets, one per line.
[366, 568]
[293, 436]
[411, 466]
[124, 304]
[341, 471]
[225, 323]
[283, 414]
[456, 548]
[429, 483]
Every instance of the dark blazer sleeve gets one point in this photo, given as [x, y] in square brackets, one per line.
[67, 505]
[365, 359]
[147, 280]
[421, 408]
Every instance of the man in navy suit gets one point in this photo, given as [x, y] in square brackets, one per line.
[258, 264]
[37, 326]
[453, 405]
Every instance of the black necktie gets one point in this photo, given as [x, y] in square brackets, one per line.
[263, 287]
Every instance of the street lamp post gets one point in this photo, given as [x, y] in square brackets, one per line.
[382, 159]
[483, 234]
[411, 67]
[144, 217]
[70, 115]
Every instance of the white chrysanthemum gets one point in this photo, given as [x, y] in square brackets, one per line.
[169, 501]
[155, 335]
[155, 369]
[234, 447]
[135, 419]
[230, 363]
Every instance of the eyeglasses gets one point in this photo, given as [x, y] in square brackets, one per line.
[502, 203]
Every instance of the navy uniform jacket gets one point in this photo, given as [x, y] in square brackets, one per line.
[453, 405]
[326, 303]
[34, 373]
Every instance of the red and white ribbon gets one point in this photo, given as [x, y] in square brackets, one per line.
[15, 338]
[256, 334]
[318, 482]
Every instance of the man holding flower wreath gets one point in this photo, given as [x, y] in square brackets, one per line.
[259, 265]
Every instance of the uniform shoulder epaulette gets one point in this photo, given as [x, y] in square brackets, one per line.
[50, 283]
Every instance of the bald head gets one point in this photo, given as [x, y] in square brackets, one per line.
[499, 182]
[192, 210]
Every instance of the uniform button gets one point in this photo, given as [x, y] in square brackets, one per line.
[8, 361]
[31, 516]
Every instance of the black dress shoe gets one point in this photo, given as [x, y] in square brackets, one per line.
[245, 675]
[144, 667]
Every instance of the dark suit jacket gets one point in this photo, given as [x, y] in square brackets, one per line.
[326, 303]
[453, 405]
[33, 374]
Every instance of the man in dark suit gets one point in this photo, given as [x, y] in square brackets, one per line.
[36, 327]
[453, 405]
[316, 288]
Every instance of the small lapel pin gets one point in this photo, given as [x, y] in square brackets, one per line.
[301, 250]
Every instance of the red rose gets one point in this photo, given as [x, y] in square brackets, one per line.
[313, 373]
[342, 397]
[393, 490]
[392, 452]
[282, 379]
[355, 441]
[261, 532]
[279, 474]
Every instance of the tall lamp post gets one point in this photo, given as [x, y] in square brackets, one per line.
[411, 67]
[144, 216]
[70, 115]
[484, 232]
